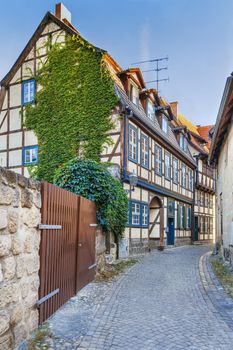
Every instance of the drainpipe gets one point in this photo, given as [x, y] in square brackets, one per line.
[196, 180]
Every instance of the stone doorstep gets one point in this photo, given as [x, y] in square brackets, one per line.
[215, 291]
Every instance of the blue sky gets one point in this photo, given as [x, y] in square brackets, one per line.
[195, 34]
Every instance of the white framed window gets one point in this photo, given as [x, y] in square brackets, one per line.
[167, 165]
[175, 170]
[158, 160]
[150, 110]
[183, 182]
[133, 144]
[164, 124]
[190, 179]
[134, 94]
[135, 212]
[30, 155]
[144, 215]
[183, 143]
[144, 151]
[28, 91]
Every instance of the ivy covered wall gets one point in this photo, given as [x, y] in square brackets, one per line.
[74, 99]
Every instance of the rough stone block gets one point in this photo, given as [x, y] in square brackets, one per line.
[16, 315]
[4, 322]
[13, 220]
[5, 245]
[31, 217]
[20, 266]
[20, 333]
[37, 199]
[16, 198]
[30, 300]
[26, 198]
[17, 245]
[8, 268]
[9, 293]
[6, 195]
[29, 244]
[31, 263]
[22, 181]
[1, 274]
[3, 218]
[32, 323]
[8, 177]
[6, 341]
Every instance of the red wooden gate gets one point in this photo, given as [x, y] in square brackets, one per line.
[67, 248]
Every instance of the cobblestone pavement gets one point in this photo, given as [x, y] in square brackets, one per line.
[161, 303]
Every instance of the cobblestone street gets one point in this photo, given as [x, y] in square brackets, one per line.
[159, 303]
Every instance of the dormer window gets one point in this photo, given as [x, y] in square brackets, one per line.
[134, 94]
[164, 124]
[150, 110]
[183, 143]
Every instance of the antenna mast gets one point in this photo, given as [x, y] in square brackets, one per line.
[157, 69]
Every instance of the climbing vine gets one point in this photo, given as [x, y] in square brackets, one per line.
[74, 99]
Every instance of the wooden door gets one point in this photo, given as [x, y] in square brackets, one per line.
[86, 265]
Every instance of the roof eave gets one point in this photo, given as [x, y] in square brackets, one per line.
[227, 90]
[32, 41]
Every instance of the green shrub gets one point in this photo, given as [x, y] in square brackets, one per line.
[91, 180]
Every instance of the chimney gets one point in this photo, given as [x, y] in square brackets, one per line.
[174, 108]
[63, 13]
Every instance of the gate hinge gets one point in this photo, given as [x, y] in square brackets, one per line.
[49, 227]
[92, 267]
[46, 297]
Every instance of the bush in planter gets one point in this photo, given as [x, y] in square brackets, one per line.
[92, 180]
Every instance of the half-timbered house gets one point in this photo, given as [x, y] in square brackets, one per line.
[149, 142]
[204, 196]
[221, 155]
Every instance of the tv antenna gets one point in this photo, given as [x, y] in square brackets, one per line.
[157, 70]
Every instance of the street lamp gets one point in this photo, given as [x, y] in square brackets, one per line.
[133, 180]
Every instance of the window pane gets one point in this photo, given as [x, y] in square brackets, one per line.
[27, 156]
[175, 170]
[144, 151]
[28, 91]
[158, 160]
[132, 144]
[182, 141]
[144, 215]
[150, 111]
[164, 124]
[135, 213]
[31, 155]
[167, 166]
[34, 155]
[135, 95]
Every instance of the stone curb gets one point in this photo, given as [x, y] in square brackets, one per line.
[215, 291]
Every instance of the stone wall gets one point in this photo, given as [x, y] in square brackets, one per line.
[100, 250]
[20, 203]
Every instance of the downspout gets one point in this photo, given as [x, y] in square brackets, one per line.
[125, 150]
[196, 180]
